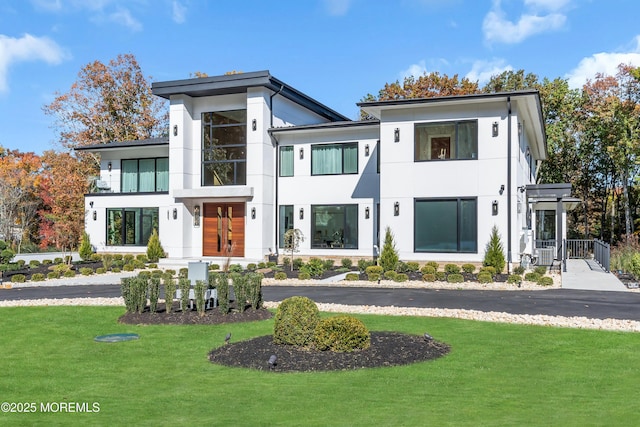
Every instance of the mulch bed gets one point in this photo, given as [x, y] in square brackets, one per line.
[192, 317]
[387, 348]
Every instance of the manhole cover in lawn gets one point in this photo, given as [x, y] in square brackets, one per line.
[116, 337]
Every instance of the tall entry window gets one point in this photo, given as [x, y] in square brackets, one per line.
[446, 141]
[224, 148]
[446, 225]
[334, 226]
[131, 226]
[285, 222]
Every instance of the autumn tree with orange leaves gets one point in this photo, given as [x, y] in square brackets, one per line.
[19, 199]
[108, 103]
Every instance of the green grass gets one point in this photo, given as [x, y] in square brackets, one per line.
[496, 374]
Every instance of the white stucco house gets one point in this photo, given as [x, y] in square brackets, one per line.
[248, 157]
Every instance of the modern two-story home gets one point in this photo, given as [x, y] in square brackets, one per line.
[249, 157]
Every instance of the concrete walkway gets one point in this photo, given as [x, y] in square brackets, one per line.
[586, 274]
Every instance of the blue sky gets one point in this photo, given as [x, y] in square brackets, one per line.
[336, 51]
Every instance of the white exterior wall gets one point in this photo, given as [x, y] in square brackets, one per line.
[403, 180]
[303, 190]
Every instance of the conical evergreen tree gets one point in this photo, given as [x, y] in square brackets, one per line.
[494, 252]
[389, 255]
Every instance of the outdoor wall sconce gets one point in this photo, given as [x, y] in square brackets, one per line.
[175, 213]
[501, 189]
[254, 125]
[109, 166]
[301, 153]
[366, 150]
[95, 215]
[366, 212]
[196, 216]
[175, 130]
[91, 204]
[253, 213]
[301, 213]
[494, 208]
[396, 209]
[396, 135]
[494, 129]
[522, 188]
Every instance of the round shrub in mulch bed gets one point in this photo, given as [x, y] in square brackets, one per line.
[387, 349]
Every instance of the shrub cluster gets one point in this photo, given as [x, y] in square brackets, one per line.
[373, 272]
[295, 321]
[169, 292]
[154, 293]
[341, 334]
[184, 285]
[280, 275]
[222, 285]
[199, 290]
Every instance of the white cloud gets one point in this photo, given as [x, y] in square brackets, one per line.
[415, 70]
[26, 48]
[497, 28]
[482, 70]
[548, 4]
[123, 17]
[603, 62]
[337, 7]
[178, 12]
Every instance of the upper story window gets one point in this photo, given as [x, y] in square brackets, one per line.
[224, 148]
[145, 175]
[334, 159]
[446, 141]
[286, 161]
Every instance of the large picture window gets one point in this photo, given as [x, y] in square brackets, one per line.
[131, 226]
[446, 225]
[285, 222]
[334, 226]
[145, 175]
[334, 159]
[224, 148]
[286, 160]
[446, 141]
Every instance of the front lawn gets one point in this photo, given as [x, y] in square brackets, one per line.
[496, 374]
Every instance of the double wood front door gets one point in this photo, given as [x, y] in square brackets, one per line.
[223, 229]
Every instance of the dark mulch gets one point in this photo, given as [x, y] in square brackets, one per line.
[387, 349]
[28, 271]
[192, 317]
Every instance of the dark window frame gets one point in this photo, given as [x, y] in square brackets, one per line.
[456, 123]
[353, 233]
[155, 175]
[142, 213]
[235, 163]
[342, 145]
[458, 201]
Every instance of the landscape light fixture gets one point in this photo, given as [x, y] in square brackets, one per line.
[494, 129]
[227, 338]
[396, 135]
[396, 209]
[196, 216]
[273, 361]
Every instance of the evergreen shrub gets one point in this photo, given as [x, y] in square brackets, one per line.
[455, 278]
[295, 321]
[341, 334]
